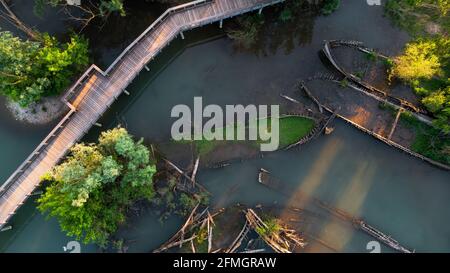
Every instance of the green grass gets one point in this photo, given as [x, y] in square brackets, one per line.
[292, 129]
[273, 228]
[429, 141]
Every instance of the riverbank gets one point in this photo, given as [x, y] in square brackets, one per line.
[46, 111]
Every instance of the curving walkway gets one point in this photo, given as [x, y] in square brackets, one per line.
[96, 90]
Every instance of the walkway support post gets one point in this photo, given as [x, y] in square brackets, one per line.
[146, 68]
[126, 92]
[260, 11]
[221, 24]
[182, 35]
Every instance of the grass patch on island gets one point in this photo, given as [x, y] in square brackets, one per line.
[292, 129]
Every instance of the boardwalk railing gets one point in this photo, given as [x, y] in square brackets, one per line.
[35, 153]
[156, 23]
[90, 96]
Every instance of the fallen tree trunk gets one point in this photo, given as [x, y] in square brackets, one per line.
[11, 17]
[284, 240]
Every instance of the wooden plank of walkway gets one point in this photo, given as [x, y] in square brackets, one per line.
[96, 90]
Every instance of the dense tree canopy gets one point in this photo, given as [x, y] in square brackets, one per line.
[90, 191]
[425, 65]
[30, 70]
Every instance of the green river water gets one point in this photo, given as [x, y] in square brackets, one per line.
[401, 195]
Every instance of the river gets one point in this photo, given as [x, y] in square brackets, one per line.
[401, 195]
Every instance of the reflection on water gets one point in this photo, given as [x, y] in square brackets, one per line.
[282, 27]
[351, 200]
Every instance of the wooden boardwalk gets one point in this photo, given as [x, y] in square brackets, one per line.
[96, 90]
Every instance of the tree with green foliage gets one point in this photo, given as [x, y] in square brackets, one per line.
[89, 10]
[425, 65]
[92, 189]
[30, 70]
[330, 6]
[418, 61]
[420, 16]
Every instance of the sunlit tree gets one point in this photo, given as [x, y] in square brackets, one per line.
[418, 61]
[89, 192]
[30, 70]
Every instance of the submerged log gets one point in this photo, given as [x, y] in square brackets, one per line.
[282, 241]
[266, 179]
[194, 220]
[308, 93]
[176, 168]
[194, 172]
[238, 241]
[11, 17]
[178, 238]
[289, 99]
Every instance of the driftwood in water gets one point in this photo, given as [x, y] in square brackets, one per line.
[176, 168]
[253, 251]
[192, 246]
[399, 102]
[282, 241]
[194, 172]
[303, 87]
[266, 179]
[386, 140]
[178, 238]
[390, 142]
[11, 17]
[359, 223]
[202, 220]
[394, 126]
[289, 99]
[238, 241]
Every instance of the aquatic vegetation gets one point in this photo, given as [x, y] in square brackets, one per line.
[344, 83]
[169, 200]
[286, 15]
[371, 56]
[247, 34]
[91, 190]
[330, 6]
[283, 26]
[271, 228]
